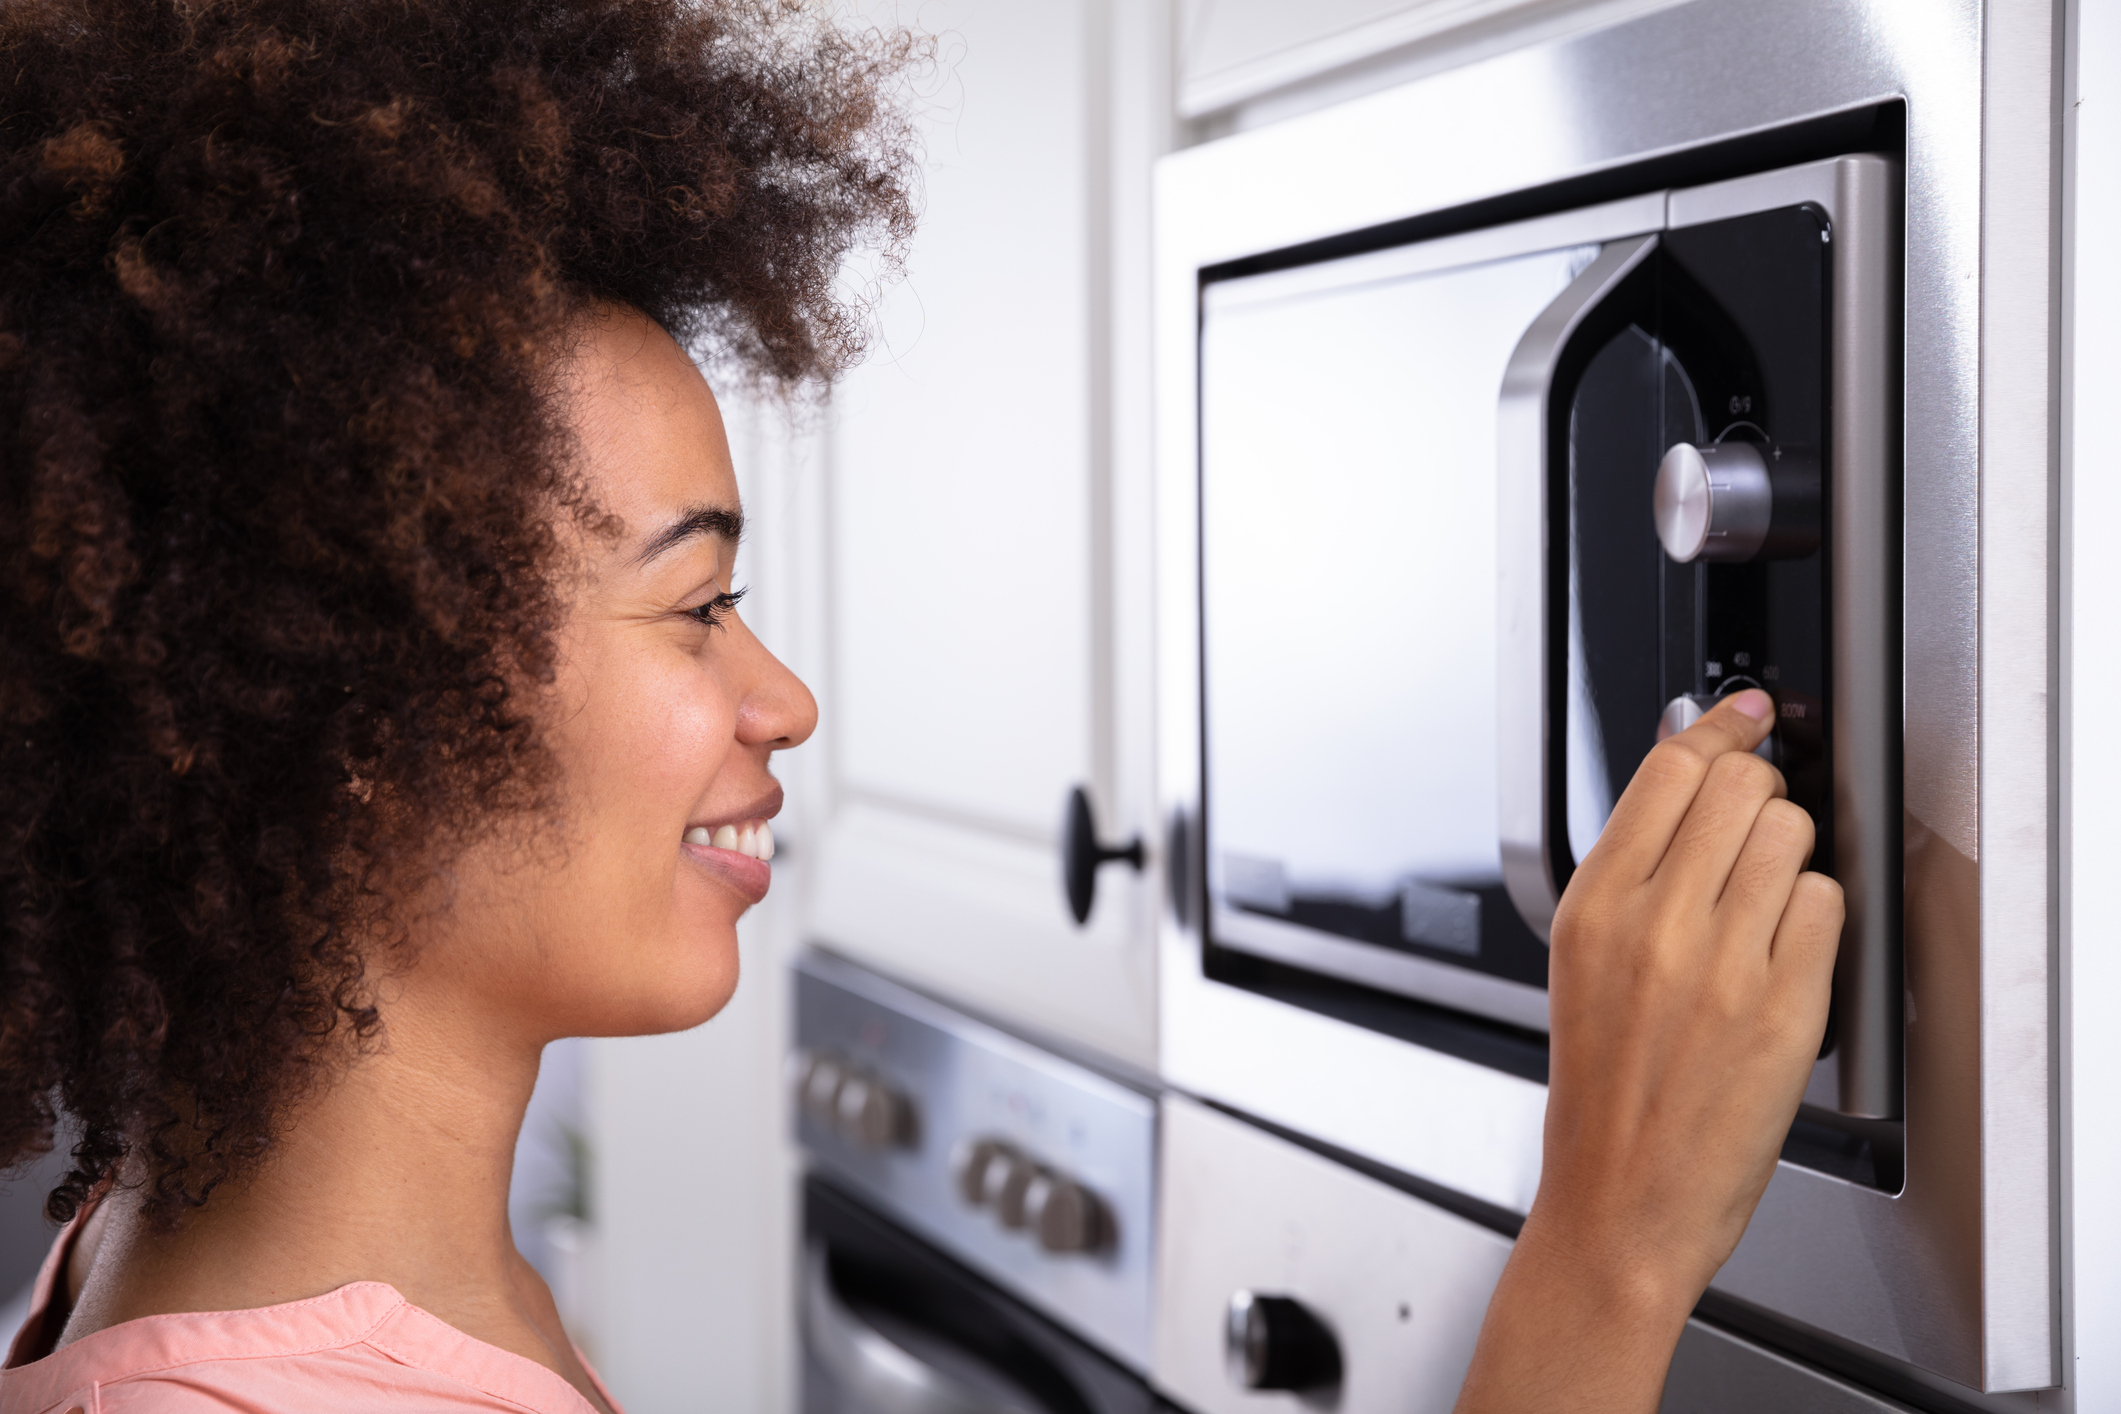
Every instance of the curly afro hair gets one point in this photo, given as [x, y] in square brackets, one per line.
[282, 284]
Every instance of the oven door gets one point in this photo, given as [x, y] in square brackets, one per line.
[892, 1326]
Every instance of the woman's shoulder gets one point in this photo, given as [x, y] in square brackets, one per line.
[362, 1345]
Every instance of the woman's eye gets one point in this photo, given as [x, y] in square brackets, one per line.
[715, 610]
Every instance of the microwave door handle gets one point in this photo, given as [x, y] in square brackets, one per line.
[1523, 657]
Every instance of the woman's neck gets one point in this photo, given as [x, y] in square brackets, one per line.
[397, 1171]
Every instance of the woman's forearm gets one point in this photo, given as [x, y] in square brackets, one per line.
[1691, 969]
[1587, 1331]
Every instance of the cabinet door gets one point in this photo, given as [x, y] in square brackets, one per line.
[982, 632]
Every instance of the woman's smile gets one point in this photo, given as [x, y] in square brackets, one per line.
[749, 877]
[737, 851]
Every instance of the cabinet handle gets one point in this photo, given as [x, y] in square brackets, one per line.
[1082, 855]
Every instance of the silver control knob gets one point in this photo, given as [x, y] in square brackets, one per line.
[1679, 714]
[1274, 1342]
[1713, 503]
[1735, 501]
[1063, 1214]
[869, 1114]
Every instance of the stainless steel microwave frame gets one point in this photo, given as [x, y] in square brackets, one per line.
[1957, 1274]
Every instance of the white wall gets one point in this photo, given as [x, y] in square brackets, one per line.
[694, 1206]
[693, 1187]
[2091, 976]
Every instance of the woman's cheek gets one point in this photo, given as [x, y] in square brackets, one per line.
[685, 729]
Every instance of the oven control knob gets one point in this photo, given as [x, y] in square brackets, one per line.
[871, 1115]
[1063, 1214]
[817, 1087]
[970, 1164]
[1274, 1342]
[1009, 1179]
[1733, 501]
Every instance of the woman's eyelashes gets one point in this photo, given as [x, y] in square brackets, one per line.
[716, 611]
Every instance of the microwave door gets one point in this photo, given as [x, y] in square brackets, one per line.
[1348, 637]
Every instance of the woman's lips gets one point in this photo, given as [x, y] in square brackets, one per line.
[749, 877]
[736, 852]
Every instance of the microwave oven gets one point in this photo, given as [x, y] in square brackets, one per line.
[1506, 418]
[1439, 628]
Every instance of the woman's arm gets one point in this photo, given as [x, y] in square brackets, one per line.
[1692, 964]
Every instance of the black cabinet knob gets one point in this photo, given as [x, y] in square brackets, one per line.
[1273, 1342]
[1082, 856]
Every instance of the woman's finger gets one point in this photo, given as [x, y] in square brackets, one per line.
[1801, 959]
[1697, 865]
[1650, 810]
[1810, 932]
[1756, 893]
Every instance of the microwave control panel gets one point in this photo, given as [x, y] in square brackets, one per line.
[1697, 458]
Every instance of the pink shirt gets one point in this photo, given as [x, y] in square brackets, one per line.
[362, 1347]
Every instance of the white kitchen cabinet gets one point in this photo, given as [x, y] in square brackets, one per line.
[975, 571]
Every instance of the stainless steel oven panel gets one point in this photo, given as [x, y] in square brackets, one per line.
[963, 1080]
[1401, 1284]
[1957, 1274]
[1858, 194]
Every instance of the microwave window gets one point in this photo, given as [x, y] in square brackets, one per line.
[1348, 539]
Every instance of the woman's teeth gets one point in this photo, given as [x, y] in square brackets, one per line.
[754, 839]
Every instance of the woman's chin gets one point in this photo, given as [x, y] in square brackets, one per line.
[678, 999]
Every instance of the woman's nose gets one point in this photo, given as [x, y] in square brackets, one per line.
[778, 710]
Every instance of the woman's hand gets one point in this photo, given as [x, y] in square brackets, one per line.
[1692, 964]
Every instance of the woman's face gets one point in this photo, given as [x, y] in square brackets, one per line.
[663, 718]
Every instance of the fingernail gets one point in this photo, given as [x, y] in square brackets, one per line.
[1754, 703]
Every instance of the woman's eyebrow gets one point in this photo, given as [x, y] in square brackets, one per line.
[724, 521]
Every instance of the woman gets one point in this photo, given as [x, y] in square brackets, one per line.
[375, 708]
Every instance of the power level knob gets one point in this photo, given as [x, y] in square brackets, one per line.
[1687, 708]
[1734, 501]
[1274, 1342]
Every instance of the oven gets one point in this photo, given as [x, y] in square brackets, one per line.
[1508, 418]
[978, 1212]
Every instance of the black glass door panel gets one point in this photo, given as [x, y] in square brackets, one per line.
[1725, 340]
